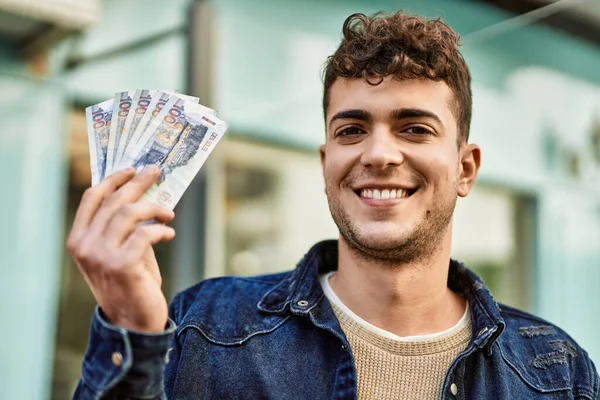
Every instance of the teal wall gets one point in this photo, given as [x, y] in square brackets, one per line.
[33, 173]
[160, 63]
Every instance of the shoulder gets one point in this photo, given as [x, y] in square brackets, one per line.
[225, 310]
[545, 355]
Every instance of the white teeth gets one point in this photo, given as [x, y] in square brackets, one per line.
[384, 194]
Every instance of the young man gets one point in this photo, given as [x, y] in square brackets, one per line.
[383, 313]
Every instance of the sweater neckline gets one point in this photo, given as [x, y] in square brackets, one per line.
[438, 342]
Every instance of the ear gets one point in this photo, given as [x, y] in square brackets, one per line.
[470, 160]
[322, 154]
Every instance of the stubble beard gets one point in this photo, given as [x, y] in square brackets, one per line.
[416, 246]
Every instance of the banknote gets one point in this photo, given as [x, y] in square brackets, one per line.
[143, 127]
[142, 99]
[121, 107]
[163, 131]
[195, 143]
[160, 98]
[190, 99]
[98, 120]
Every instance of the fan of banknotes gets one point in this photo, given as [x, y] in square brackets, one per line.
[144, 127]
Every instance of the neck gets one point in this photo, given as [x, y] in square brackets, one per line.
[405, 299]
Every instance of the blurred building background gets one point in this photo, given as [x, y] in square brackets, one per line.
[531, 227]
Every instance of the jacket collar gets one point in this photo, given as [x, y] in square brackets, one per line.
[301, 291]
[486, 321]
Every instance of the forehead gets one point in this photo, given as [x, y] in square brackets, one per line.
[391, 94]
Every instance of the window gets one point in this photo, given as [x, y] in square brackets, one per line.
[493, 234]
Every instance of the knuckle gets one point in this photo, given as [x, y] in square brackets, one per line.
[89, 193]
[71, 244]
[85, 254]
[126, 211]
[112, 201]
[155, 210]
[143, 234]
[160, 209]
[145, 180]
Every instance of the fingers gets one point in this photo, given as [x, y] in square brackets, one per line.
[126, 194]
[145, 235]
[91, 201]
[127, 218]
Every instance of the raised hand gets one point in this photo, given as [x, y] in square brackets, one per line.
[112, 246]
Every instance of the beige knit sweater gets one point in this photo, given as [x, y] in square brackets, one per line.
[390, 367]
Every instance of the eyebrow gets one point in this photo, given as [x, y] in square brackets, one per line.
[404, 113]
[351, 114]
[397, 114]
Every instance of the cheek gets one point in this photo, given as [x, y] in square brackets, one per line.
[337, 165]
[436, 166]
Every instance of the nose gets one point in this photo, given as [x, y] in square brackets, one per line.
[382, 149]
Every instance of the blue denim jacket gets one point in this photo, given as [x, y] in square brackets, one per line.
[276, 337]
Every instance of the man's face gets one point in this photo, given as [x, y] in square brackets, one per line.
[392, 167]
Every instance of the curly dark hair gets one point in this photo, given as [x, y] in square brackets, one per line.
[405, 47]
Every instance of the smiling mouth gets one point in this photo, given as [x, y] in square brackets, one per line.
[384, 194]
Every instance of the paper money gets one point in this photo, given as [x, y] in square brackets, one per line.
[159, 100]
[186, 158]
[121, 107]
[163, 132]
[144, 127]
[141, 101]
[191, 99]
[98, 120]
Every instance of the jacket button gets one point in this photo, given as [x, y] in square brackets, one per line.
[302, 303]
[117, 358]
[454, 389]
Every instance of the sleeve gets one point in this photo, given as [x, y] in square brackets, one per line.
[122, 364]
[596, 381]
[593, 375]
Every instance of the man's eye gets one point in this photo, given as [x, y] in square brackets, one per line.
[351, 131]
[418, 130]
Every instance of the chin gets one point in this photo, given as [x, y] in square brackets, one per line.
[381, 237]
